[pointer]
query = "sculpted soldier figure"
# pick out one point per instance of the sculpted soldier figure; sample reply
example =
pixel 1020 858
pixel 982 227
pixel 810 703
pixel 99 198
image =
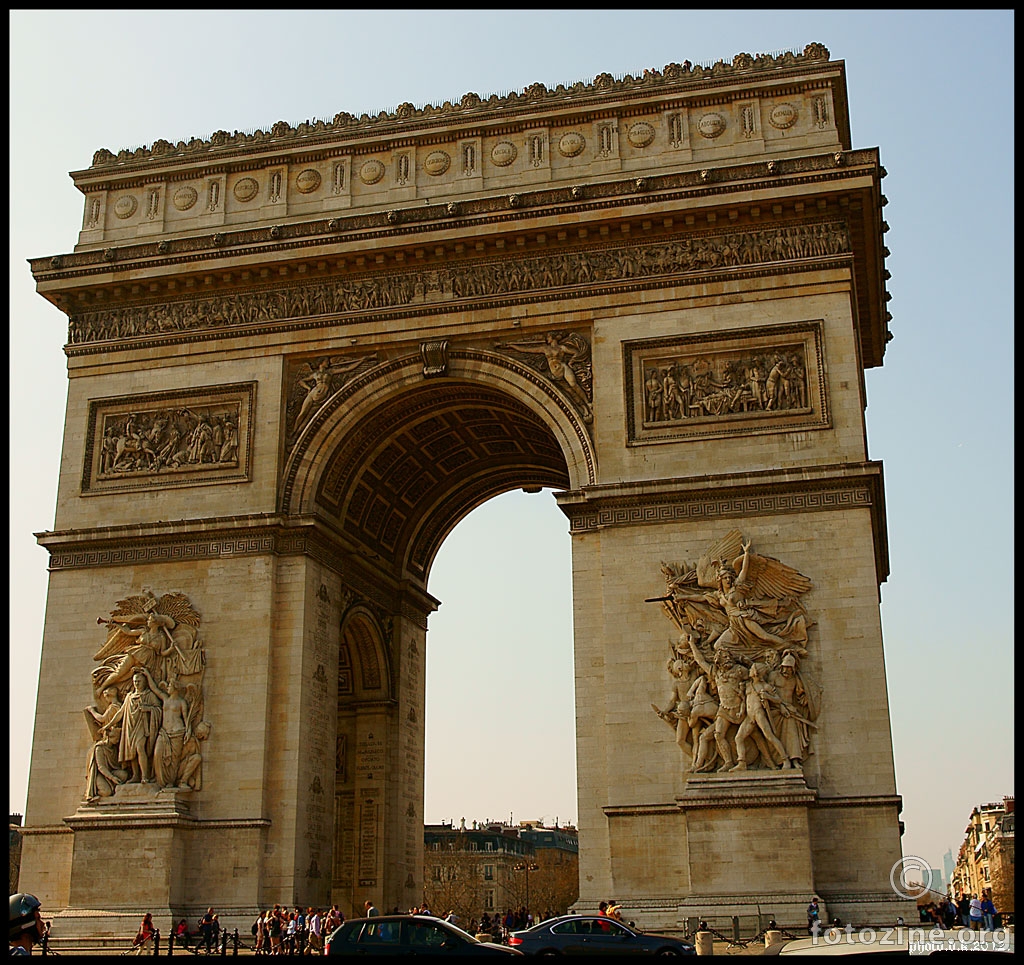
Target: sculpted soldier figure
pixel 730 680
pixel 795 711
pixel 102 773
pixel 757 723
pixel 139 717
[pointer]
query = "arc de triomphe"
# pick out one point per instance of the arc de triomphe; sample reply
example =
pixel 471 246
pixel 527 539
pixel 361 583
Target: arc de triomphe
pixel 297 358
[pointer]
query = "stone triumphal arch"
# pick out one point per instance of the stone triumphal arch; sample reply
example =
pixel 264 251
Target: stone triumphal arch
pixel 297 358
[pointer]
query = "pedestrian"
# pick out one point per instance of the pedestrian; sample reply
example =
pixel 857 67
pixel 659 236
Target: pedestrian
pixel 259 933
pixel 145 932
pixel 181 934
pixel 316 924
pixel 614 910
pixel 274 930
pixel 215 932
pixel 27 925
pixel 976 916
pixel 949 912
pixel 371 909
pixel 813 917
pixel 988 911
pixel 963 907
pixel 206 930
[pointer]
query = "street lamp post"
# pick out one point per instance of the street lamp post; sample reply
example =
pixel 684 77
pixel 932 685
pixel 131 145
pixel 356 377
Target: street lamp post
pixel 526 866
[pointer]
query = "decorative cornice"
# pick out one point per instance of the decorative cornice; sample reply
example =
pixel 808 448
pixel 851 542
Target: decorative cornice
pixel 766 493
pixel 311 135
pixel 862 801
pixel 415 219
pixel 232 536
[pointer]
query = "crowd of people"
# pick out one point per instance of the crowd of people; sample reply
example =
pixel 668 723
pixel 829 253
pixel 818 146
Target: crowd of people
pixel 977 912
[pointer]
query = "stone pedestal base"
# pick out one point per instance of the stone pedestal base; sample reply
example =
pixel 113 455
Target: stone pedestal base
pixel 749 844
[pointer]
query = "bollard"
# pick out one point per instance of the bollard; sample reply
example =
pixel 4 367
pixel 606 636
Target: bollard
pixel 234 952
pixel 736 928
pixel 224 943
pixel 705 943
pixel 156 941
pixel 170 942
pixel 772 937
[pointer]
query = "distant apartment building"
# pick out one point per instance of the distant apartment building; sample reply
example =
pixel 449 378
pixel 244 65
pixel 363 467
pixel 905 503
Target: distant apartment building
pixel 494 867
pixel 985 864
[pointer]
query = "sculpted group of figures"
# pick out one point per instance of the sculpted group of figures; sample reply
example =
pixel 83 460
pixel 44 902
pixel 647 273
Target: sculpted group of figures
pixel 690 388
pixel 168 439
pixel 397 289
pixel 739 699
pixel 147 721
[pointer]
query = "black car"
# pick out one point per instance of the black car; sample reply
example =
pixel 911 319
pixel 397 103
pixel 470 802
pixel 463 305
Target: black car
pixel 407 935
pixel 594 935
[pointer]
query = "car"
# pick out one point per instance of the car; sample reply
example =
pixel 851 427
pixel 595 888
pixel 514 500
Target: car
pixel 594 935
pixel 407 935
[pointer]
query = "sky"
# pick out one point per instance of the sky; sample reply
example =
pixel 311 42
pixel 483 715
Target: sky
pixel 932 90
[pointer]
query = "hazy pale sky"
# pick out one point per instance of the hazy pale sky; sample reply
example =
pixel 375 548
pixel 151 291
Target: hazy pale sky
pixel 932 90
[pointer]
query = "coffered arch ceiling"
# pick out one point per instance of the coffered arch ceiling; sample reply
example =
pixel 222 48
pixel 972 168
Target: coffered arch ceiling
pixel 402 478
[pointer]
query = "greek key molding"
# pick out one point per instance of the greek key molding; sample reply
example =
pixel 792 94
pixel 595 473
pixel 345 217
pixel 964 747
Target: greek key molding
pixel 767 493
pixel 728 506
pixel 237 536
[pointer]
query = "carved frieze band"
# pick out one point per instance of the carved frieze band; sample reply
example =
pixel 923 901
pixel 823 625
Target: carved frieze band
pixel 697 254
pixel 163 440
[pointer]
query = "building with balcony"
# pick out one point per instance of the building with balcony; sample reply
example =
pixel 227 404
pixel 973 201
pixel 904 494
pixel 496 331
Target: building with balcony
pixel 985 862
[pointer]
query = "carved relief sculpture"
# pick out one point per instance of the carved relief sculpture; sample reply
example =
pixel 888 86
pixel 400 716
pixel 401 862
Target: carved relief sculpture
pixel 313 383
pixel 146 722
pixel 738 698
pixel 565 358
pixel 696 387
pixel 168 438
pixel 707 252
pixel 705 385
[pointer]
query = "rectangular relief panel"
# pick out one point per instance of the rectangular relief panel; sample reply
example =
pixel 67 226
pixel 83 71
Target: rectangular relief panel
pixel 740 382
pixel 163 440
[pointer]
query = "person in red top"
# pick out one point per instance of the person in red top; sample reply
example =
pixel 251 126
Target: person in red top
pixel 146 930
pixel 181 934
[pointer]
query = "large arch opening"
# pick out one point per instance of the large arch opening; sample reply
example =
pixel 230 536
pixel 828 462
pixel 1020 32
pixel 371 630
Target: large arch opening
pixel 390 467
pixel 499 648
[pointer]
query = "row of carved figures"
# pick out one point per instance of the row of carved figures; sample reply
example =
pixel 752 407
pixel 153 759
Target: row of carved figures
pixel 397 289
